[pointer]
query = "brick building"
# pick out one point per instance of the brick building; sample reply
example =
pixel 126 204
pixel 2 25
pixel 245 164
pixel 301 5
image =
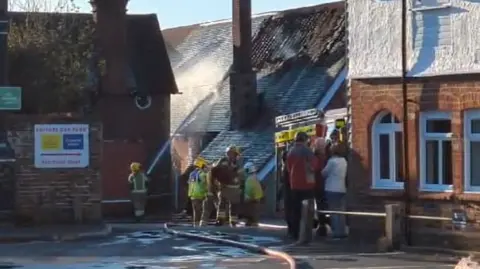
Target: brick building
pixel 121 130
pixel 298 56
pixel 443 107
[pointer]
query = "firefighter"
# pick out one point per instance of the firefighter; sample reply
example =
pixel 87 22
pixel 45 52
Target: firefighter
pixel 210 201
pixel 229 195
pixel 253 194
pixel 138 185
pixel 197 188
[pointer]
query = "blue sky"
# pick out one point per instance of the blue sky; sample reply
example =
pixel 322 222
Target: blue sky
pixel 184 12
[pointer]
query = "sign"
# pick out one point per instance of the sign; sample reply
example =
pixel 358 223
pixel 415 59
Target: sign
pixel 10 98
pixel 297 116
pixel 289 135
pixel 61 146
pixel 340 123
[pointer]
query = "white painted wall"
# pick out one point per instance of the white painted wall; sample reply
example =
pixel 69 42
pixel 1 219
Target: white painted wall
pixel 441 41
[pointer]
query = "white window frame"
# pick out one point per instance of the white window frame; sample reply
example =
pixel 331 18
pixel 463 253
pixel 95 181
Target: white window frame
pixel 389 129
pixel 468 138
pixel 423 137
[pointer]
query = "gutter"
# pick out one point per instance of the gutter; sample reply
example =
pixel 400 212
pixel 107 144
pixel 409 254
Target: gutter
pixel 326 99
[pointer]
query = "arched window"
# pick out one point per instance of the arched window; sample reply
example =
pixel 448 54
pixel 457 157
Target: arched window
pixel 387 154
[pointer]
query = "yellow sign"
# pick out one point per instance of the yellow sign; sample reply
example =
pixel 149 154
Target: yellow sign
pixel 288 135
pixel 340 123
pixel 282 136
pixel 51 142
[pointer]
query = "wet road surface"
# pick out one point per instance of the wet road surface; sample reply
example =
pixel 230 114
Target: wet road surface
pixel 153 249
pixel 130 250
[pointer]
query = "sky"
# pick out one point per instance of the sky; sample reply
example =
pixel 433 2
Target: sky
pixel 173 13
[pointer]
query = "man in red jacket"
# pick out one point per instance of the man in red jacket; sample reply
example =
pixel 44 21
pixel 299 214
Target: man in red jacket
pixel 302 165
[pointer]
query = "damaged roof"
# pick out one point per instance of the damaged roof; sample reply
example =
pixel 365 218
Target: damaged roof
pixel 297 54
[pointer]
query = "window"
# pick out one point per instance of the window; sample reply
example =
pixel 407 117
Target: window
pixel 387 161
pixel 432 24
pixel 436 151
pixel 472 151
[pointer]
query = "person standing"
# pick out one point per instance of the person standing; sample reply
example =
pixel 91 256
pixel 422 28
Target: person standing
pixel 319 150
pixel 138 185
pixel 229 196
pixel 302 165
pixel 197 189
pixel 335 173
pixel 287 195
pixel 253 195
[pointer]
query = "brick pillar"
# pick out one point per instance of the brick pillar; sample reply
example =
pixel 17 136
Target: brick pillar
pixel 110 19
pixel 243 81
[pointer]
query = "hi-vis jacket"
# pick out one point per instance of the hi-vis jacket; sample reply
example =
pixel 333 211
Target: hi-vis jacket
pixel 197 185
pixel 253 189
pixel 139 181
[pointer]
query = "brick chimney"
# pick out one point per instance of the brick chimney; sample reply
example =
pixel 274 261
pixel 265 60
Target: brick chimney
pixel 243 81
pixel 110 19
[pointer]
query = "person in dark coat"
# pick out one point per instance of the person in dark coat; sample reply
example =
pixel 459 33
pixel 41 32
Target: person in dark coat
pixel 287 197
pixel 322 220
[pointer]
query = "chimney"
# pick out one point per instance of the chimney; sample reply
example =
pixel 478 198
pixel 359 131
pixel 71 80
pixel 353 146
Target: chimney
pixel 111 24
pixel 243 81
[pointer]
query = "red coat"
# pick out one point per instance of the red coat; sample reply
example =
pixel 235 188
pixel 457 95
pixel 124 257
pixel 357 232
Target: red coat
pixel 302 165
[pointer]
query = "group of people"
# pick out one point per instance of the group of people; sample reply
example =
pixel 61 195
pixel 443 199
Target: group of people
pixel 317 171
pixel 225 192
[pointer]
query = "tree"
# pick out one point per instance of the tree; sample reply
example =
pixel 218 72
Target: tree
pixel 50 46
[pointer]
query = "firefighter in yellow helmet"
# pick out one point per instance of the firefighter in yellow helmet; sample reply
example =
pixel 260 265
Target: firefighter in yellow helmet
pixel 253 194
pixel 197 188
pixel 138 185
pixel 229 195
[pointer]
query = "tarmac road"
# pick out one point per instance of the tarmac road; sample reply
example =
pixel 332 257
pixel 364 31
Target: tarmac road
pixel 153 249
pixel 149 249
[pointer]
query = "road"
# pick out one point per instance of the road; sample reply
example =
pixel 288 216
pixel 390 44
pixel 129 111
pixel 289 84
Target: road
pixel 153 249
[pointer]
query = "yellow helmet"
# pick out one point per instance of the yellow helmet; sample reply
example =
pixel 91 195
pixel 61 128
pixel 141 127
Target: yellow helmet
pixel 135 167
pixel 232 148
pixel 200 162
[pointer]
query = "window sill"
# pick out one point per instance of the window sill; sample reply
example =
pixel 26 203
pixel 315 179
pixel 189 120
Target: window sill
pixel 390 193
pixel 469 196
pixel 388 187
pixel 427 8
pixel 436 188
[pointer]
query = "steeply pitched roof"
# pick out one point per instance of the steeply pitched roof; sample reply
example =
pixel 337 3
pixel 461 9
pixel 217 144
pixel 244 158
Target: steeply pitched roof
pixel 252 145
pixel 297 55
pixel 200 63
pixel 148 55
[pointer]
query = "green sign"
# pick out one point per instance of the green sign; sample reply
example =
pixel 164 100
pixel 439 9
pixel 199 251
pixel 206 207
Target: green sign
pixel 10 98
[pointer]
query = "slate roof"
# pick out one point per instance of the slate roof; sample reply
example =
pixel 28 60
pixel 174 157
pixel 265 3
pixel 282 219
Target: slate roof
pixel 297 55
pixel 253 145
pixel 148 55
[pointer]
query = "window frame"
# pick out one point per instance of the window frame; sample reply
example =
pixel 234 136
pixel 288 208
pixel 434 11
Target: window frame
pixel 389 129
pixel 468 138
pixel 423 138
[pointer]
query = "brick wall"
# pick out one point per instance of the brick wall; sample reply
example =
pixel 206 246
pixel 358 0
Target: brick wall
pixel 454 94
pixel 46 195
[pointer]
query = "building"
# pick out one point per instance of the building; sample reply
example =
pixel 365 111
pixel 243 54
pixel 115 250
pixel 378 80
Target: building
pixel 443 107
pixel 299 59
pixel 137 66
pixel 136 59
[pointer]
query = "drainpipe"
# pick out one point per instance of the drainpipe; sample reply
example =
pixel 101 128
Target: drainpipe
pixel 406 165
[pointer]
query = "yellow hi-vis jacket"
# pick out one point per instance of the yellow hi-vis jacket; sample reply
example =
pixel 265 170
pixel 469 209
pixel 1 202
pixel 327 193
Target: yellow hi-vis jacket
pixel 253 189
pixel 139 181
pixel 197 185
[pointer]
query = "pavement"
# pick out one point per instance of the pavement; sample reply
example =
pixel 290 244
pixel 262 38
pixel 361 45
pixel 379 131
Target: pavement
pixel 147 246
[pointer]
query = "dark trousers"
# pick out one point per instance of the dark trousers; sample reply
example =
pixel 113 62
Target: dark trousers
pixel 297 197
pixel 322 219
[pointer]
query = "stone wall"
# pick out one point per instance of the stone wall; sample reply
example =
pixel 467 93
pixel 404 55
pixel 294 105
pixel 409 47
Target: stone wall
pixel 45 196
